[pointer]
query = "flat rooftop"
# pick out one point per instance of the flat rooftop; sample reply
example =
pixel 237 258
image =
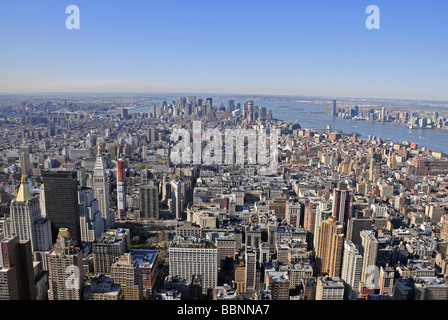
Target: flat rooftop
pixel 144 258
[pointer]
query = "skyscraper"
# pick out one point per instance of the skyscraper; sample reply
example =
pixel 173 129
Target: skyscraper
pixel 369 252
pixel 65 269
pixel 61 203
pixel 24 162
pixel 333 109
pixel 351 269
pixel 101 189
pixel 149 202
pixel 374 171
pixel 108 247
pixel 341 204
pixel 329 247
pixel 27 222
pixel 91 222
pixel 176 196
pixel 188 258
pixel 16 270
pixel 126 273
pixel 121 192
pixel 152 135
pixel 355 226
pixel 251 268
pixel 386 280
pixel 230 105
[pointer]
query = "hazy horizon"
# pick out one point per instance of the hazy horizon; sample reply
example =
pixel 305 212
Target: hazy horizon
pixel 287 48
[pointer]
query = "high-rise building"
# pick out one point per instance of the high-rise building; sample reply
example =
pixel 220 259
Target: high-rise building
pixel 251 268
pixel 112 244
pixel 240 277
pixel 195 257
pixel 91 222
pixel 147 261
pixel 121 192
pixel 374 171
pixel 333 109
pixel 176 196
pixel 61 203
pixel 386 280
pixel 124 114
pixel 351 269
pixel 65 269
pixel 323 212
pixel 330 288
pixel 355 226
pixel 369 252
pixel 329 248
pixel 25 163
pixel 101 190
pixel 152 135
pixel 226 244
pixel 231 105
pixel 126 273
pixel 16 270
pixel 292 214
pixel 341 204
pixel 27 222
pixel 149 202
pixel 278 283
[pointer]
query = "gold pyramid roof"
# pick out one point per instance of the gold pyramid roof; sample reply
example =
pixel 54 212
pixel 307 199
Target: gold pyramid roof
pixel 24 193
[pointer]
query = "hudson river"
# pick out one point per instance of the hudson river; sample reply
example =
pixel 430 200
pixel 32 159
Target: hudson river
pixel 311 116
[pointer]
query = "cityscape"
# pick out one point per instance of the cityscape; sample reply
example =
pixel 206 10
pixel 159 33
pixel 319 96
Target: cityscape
pixel 95 207
pixel 175 152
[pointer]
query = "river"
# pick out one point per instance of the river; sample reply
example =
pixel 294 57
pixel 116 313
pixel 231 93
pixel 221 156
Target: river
pixel 312 116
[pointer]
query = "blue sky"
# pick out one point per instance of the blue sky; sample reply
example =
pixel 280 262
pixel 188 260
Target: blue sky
pixel 316 48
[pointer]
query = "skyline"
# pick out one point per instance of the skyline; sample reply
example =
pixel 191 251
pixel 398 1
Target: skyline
pixel 293 48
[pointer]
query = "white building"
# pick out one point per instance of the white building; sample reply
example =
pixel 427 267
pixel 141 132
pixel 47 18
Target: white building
pixel 188 258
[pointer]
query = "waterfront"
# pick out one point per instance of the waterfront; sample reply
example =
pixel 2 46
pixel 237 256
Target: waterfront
pixel 313 116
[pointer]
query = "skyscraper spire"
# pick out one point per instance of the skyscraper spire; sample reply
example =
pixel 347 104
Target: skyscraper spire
pixel 24 193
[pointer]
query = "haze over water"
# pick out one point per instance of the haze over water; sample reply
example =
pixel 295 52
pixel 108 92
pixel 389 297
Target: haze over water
pixel 312 116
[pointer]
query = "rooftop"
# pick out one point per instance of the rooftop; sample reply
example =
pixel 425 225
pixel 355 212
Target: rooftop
pixel 144 258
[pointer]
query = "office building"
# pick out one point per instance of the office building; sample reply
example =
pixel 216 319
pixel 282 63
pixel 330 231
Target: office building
pixel 194 257
pixel 121 191
pixel 61 203
pixel 101 190
pixel 329 248
pixel 176 196
pixel 330 288
pixel 278 284
pixel 149 202
pixel 386 280
pixel 251 269
pixel 351 269
pixel 147 262
pixel 126 273
pixel 27 222
pixel 65 269
pixel 369 252
pixel 91 222
pixel 341 204
pixel 355 226
pixel 112 244
pixel 16 270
